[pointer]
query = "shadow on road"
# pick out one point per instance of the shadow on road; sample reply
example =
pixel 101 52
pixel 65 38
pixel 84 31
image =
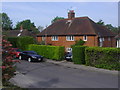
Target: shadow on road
pixel 45 84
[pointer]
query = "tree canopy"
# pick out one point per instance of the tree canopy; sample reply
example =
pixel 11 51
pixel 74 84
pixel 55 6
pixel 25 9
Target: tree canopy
pixel 109 26
pixel 56 19
pixel 27 24
pixel 101 22
pixel 6 22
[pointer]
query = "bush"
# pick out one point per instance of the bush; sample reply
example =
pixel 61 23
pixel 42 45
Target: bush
pixel 78 54
pixel 80 42
pixel 21 42
pixel 107 58
pixel 13 41
pixel 51 52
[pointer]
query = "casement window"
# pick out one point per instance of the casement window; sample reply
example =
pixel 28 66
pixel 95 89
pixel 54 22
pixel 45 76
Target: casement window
pixel 54 38
pixel 70 38
pixel 43 38
pixel 69 49
pixel 109 39
pixel 103 39
pixel 85 38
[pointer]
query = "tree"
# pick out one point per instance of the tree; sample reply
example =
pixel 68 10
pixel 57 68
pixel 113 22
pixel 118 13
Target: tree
pixel 109 26
pixel 6 22
pixel 27 24
pixel 100 22
pixel 113 29
pixel 40 28
pixel 56 19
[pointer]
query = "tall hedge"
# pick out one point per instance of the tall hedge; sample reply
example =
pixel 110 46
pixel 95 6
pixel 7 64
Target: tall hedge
pixel 78 54
pixel 21 42
pixel 107 58
pixel 51 52
pixel 13 41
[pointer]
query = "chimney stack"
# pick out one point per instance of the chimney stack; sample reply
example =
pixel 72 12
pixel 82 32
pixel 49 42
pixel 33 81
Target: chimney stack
pixel 21 28
pixel 71 14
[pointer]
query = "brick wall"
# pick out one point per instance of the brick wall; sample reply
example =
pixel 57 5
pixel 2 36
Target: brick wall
pixel 109 43
pixel 91 41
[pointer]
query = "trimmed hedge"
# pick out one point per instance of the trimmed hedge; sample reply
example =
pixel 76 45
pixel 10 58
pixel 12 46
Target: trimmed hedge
pixel 13 41
pixel 21 42
pixel 51 52
pixel 107 58
pixel 78 54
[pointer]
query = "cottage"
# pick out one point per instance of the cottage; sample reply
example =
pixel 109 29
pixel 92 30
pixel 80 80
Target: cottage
pixel 65 32
pixel 18 33
pixel 118 40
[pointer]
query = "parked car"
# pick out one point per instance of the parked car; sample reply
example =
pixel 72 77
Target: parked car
pixel 16 52
pixel 68 56
pixel 30 56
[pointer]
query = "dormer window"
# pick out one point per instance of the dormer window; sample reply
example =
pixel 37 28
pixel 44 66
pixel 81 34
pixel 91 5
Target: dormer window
pixel 19 34
pixel 85 38
pixel 54 38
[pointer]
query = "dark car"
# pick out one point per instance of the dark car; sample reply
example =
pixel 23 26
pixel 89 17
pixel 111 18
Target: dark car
pixel 30 56
pixel 68 56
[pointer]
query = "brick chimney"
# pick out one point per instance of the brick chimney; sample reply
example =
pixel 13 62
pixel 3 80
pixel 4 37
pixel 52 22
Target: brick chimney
pixel 71 14
pixel 21 28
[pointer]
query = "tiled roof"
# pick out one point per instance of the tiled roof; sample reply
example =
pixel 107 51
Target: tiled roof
pixel 14 33
pixel 76 26
pixel 117 36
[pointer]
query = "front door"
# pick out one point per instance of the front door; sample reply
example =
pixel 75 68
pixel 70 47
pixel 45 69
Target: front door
pixel 100 42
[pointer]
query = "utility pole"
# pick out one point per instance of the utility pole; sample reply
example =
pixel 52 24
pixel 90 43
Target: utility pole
pixel 46 36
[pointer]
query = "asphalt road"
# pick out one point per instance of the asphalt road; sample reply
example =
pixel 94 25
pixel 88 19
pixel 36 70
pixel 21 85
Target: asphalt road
pixel 48 75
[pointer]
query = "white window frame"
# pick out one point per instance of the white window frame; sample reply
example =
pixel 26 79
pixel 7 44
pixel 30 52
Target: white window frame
pixel 54 38
pixel 109 38
pixel 43 38
pixel 103 39
pixel 85 39
pixel 69 49
pixel 70 38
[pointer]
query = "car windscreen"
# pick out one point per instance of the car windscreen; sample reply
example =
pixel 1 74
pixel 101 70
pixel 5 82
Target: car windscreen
pixel 18 50
pixel 31 53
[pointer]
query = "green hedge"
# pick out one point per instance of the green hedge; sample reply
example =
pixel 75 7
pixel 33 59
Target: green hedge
pixel 21 42
pixel 13 41
pixel 51 52
pixel 107 58
pixel 78 54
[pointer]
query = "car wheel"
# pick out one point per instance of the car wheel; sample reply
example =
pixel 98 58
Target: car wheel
pixel 20 57
pixel 29 59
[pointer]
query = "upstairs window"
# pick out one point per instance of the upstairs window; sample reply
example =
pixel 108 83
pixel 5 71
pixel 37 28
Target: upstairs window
pixel 54 38
pixel 43 38
pixel 103 39
pixel 85 38
pixel 70 38
pixel 109 39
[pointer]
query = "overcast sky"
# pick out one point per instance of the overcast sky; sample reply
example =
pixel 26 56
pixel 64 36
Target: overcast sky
pixel 41 13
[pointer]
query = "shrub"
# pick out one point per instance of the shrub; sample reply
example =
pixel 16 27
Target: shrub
pixel 21 42
pixel 107 58
pixel 7 62
pixel 51 52
pixel 80 42
pixel 13 41
pixel 78 54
